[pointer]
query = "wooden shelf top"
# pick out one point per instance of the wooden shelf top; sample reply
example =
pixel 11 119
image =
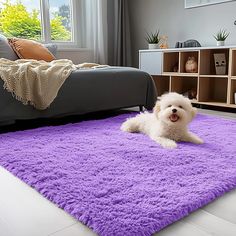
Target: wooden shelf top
pixel 196 75
pixel 170 73
pixel 189 74
pixel 180 74
pixel 213 103
pixel 194 100
pixel 215 76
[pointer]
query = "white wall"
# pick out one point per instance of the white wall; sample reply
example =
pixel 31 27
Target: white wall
pixel 179 23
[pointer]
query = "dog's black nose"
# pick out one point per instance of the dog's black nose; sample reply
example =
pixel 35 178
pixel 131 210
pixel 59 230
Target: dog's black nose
pixel 174 110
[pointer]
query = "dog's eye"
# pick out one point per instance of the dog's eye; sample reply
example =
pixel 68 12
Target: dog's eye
pixel 169 105
pixel 181 107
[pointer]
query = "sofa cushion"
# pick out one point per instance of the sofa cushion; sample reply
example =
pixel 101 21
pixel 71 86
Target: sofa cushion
pixel 29 49
pixel 52 48
pixel 5 50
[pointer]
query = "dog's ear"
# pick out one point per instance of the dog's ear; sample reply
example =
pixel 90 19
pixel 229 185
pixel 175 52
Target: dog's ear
pixel 194 111
pixel 157 108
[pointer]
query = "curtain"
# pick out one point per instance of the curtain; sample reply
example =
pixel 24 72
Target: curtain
pixel 122 42
pixel 108 31
pixel 96 30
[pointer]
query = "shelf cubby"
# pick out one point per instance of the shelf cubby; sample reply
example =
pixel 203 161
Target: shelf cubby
pixel 170 60
pixel 232 92
pixel 233 65
pixel 182 85
pixel 162 84
pixel 184 58
pixel 207 62
pixel 213 89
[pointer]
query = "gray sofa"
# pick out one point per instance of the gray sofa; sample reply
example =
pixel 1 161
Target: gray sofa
pixel 83 92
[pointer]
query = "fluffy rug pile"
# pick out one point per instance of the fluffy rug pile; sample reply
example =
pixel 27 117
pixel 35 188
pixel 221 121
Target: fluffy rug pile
pixel 120 183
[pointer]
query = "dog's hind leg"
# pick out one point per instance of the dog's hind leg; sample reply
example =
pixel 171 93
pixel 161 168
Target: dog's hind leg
pixel 131 125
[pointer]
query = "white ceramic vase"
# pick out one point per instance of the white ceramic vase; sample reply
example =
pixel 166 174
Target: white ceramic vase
pixel 220 43
pixel 153 46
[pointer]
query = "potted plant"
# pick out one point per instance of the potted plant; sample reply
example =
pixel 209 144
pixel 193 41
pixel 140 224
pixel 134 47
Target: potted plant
pixel 221 36
pixel 153 39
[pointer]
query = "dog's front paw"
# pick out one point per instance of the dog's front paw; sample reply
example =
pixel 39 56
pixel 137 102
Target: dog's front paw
pixel 164 142
pixel 190 137
pixel 169 144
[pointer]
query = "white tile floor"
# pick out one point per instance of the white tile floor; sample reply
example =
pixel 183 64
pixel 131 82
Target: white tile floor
pixel 24 212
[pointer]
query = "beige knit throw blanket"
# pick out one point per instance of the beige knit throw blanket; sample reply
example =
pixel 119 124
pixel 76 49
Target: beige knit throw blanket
pixel 35 82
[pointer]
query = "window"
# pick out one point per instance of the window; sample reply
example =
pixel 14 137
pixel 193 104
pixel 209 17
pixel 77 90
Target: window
pixel 42 20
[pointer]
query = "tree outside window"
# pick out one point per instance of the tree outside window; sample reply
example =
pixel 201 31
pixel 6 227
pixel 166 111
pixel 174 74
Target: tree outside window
pixel 22 18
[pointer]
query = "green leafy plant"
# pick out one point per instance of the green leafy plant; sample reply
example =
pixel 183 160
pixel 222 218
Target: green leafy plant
pixel 221 35
pixel 17 21
pixel 153 38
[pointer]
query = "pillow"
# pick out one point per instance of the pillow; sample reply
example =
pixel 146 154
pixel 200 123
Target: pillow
pixel 5 50
pixel 52 48
pixel 29 49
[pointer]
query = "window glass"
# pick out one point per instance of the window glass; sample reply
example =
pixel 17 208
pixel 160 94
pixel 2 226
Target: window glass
pixel 60 20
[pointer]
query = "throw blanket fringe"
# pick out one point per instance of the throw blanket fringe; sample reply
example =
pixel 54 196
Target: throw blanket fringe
pixel 35 82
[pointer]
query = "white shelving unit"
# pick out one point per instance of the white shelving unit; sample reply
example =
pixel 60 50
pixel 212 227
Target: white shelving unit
pixel 212 89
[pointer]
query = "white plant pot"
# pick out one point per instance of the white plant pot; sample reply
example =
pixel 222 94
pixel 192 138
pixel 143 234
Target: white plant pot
pixel 220 43
pixel 153 46
pixel 234 98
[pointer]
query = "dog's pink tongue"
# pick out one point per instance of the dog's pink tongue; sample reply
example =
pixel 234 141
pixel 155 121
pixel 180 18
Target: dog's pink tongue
pixel 174 117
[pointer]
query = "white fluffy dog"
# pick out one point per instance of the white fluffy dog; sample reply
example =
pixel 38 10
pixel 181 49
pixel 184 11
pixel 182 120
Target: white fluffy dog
pixel 168 122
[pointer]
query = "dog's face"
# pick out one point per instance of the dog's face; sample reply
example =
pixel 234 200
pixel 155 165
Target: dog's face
pixel 174 109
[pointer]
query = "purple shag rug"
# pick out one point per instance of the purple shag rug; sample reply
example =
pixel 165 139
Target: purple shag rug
pixel 120 183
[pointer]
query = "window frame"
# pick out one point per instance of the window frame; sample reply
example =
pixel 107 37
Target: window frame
pixel 46 29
